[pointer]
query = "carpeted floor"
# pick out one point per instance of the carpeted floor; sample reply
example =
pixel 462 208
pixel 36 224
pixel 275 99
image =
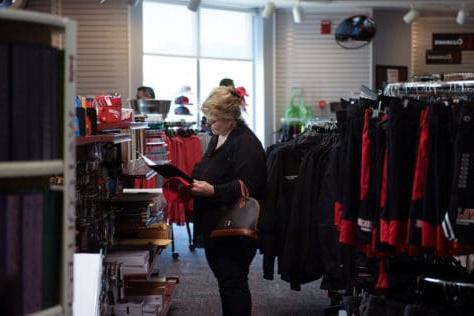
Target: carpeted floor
pixel 197 294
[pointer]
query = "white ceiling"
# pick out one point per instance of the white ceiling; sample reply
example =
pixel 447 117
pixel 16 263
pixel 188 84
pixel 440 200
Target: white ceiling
pixel 337 4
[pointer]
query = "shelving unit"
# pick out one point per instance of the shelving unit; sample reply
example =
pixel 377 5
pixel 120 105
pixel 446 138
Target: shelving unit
pixel 130 140
pixel 121 125
pixel 138 125
pixel 31 23
pixel 18 169
pixel 106 138
pixel 112 126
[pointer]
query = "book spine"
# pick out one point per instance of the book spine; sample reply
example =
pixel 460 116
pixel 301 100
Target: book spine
pixel 19 101
pixel 5 102
pixel 32 232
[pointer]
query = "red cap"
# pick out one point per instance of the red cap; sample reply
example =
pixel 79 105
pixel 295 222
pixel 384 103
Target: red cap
pixel 241 92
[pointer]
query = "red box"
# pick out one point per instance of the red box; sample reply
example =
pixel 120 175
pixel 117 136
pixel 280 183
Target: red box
pixel 127 115
pixel 110 114
pixel 106 100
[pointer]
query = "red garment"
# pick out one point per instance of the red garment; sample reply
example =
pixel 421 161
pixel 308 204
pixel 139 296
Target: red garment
pixel 382 280
pixel 184 153
pixel 142 183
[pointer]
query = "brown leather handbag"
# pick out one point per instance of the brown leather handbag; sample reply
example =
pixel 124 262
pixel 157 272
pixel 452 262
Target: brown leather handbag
pixel 239 219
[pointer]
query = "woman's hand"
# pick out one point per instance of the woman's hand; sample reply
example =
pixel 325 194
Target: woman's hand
pixel 202 188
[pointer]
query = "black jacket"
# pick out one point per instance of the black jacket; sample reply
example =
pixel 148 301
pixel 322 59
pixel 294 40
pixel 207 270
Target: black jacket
pixel 297 224
pixel 240 157
pixel 283 166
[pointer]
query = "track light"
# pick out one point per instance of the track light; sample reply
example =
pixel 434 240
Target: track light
pixel 411 15
pixel 462 16
pixel 297 13
pixel 193 5
pixel 268 10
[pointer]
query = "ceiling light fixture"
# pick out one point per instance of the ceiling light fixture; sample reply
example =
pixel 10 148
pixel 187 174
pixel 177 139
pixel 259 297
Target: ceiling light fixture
pixel 298 13
pixel 193 5
pixel 268 10
pixel 462 16
pixel 411 15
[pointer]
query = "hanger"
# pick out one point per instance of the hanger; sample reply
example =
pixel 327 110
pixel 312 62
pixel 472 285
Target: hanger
pixel 368 93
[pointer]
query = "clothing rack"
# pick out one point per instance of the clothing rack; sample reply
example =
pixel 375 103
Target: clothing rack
pixel 449 283
pixel 180 124
pixel 432 87
pixel 185 128
pixel 325 124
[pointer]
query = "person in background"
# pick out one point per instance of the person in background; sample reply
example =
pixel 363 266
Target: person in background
pixel 234 153
pixel 145 93
pixel 226 82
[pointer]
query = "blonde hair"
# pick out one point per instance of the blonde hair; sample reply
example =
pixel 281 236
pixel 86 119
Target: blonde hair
pixel 222 104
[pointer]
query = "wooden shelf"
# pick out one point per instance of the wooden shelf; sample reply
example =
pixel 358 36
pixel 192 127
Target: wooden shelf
pixel 142 191
pixel 36 168
pixel 53 311
pixel 115 125
pixel 143 241
pixel 155 144
pixel 106 138
pixel 138 125
pixel 122 125
pixel 21 16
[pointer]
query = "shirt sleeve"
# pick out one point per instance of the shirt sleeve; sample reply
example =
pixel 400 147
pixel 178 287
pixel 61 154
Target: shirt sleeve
pixel 250 167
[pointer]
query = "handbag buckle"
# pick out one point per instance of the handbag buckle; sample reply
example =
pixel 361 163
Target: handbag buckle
pixel 227 223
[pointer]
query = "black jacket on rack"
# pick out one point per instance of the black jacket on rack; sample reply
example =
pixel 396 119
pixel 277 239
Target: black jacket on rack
pixel 283 167
pixel 240 157
pixel 294 227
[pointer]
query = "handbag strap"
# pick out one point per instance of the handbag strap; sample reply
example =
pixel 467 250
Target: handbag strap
pixel 244 191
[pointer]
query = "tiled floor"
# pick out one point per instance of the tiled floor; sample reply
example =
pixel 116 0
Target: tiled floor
pixel 197 294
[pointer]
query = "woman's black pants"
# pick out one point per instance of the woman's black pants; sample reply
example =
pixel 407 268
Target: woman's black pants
pixel 230 260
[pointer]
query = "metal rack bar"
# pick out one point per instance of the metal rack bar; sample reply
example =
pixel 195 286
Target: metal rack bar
pixel 404 88
pixel 447 283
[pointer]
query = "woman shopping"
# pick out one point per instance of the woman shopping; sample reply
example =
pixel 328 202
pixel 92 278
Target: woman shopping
pixel 234 154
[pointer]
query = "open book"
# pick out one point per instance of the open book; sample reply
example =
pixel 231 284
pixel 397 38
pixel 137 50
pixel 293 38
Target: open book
pixel 167 170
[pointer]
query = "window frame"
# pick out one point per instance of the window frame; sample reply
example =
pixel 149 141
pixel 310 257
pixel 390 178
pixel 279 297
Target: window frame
pixel 199 57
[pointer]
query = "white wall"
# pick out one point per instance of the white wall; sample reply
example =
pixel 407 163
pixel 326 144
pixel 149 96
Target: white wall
pixel 264 77
pixel 306 59
pixel 102 46
pixel 422 32
pixel 102 42
pixel 392 42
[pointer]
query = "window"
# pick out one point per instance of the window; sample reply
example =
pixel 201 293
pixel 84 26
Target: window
pixel 183 49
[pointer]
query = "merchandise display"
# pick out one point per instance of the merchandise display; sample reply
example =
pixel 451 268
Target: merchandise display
pixel 379 198
pixel 37 166
pixel 139 177
pixel 130 229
